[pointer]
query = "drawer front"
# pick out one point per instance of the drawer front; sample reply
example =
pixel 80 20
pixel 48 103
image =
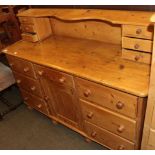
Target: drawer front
pixel 137 44
pixel 21 66
pixel 145 32
pixel 53 75
pixel 107 138
pixel 30 85
pixel 28 28
pixel 109 120
pixel 36 102
pixel 28 20
pixel 106 97
pixel 136 56
pixel 29 37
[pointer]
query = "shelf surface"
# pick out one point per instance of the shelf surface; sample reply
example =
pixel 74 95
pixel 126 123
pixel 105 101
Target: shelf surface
pixel 93 60
pixel 113 16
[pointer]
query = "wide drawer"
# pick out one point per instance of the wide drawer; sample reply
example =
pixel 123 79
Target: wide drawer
pixel 137 44
pixel 29 37
pixel 29 84
pixel 28 28
pixel 137 31
pixel 29 20
pixel 109 120
pixel 21 66
pixel 107 138
pixel 54 75
pixel 107 97
pixel 136 56
pixel 36 102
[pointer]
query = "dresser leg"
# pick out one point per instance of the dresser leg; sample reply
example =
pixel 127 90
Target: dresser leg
pixel 54 122
pixel 88 140
pixel 29 107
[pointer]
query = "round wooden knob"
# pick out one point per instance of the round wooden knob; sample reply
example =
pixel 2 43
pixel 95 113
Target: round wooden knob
pixel 33 88
pixel 11 64
pixel 121 147
pixel 138 31
pixel 90 115
pixel 26 69
pixel 25 98
pixel 87 93
pixel 39 106
pixel 18 81
pixel 40 73
pixel 46 98
pixel 137 58
pixel 93 134
pixel 62 80
pixel 26 28
pixel 119 105
pixel 136 46
pixel 121 128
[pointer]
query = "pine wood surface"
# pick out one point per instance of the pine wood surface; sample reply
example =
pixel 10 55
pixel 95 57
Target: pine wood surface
pixel 92 60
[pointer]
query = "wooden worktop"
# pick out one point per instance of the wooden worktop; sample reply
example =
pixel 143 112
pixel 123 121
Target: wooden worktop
pixel 113 16
pixel 92 60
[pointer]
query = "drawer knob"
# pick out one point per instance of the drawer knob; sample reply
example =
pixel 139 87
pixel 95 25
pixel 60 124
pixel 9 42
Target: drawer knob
pixel 33 88
pixel 137 58
pixel 62 80
pixel 46 98
pixel 18 81
pixel 26 69
pixel 11 64
pixel 121 147
pixel 90 115
pixel 138 31
pixel 136 46
pixel 121 128
pixel 40 73
pixel 26 98
pixel 119 105
pixel 93 134
pixel 87 93
pixel 39 106
pixel 26 28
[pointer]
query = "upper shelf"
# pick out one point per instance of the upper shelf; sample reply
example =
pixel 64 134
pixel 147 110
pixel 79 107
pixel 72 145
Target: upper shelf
pixel 113 16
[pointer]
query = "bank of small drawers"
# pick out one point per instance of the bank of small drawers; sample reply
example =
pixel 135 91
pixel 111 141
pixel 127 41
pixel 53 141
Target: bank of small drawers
pixel 137 39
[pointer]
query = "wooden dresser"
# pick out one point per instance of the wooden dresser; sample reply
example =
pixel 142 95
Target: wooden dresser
pixel 87 69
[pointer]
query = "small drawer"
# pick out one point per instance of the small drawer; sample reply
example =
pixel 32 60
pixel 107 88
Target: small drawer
pixel 29 37
pixel 29 20
pixel 53 75
pixel 115 100
pixel 35 102
pixel 28 28
pixel 21 66
pixel 136 56
pixel 30 85
pixel 145 32
pixel 109 120
pixel 107 138
pixel 137 44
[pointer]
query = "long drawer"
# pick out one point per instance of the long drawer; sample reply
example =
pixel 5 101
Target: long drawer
pixel 137 44
pixel 29 84
pixel 118 101
pixel 35 102
pixel 21 66
pixel 109 120
pixel 107 138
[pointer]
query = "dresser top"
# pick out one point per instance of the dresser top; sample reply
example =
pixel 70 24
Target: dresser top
pixel 113 16
pixel 93 60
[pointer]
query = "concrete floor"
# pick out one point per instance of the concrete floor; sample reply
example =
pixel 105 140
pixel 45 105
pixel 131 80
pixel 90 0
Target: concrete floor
pixel 25 129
